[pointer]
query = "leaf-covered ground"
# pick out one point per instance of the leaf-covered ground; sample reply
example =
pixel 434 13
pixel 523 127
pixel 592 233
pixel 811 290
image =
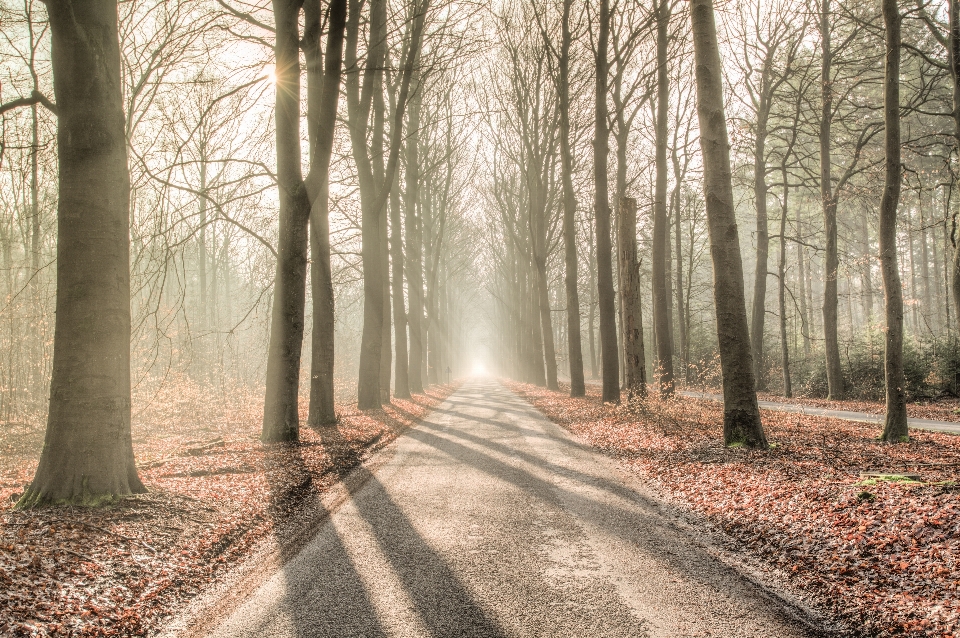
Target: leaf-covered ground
pixel 883 557
pixel 215 493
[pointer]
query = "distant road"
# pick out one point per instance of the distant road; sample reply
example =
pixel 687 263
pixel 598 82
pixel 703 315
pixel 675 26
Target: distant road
pixel 920 424
pixel 488 520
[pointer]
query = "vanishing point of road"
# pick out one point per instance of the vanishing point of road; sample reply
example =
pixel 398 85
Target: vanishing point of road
pixel 488 520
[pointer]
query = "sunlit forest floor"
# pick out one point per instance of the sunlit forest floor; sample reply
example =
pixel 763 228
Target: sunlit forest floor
pixel 883 557
pixel 215 493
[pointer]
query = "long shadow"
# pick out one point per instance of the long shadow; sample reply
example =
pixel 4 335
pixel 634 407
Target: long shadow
pixel 638 530
pixel 442 601
pixel 323 595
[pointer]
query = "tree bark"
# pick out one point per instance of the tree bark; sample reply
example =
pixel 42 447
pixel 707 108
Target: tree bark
pixel 414 241
pixel 954 10
pixel 895 423
pixel 608 317
pixel 322 406
pixel 574 342
pixel 741 415
pixel 634 359
pixel 763 235
pixel 87 456
pixel 831 344
pixel 782 287
pixel 661 235
pixel 281 421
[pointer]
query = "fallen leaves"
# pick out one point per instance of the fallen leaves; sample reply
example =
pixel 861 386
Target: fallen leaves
pixel 884 556
pixel 215 493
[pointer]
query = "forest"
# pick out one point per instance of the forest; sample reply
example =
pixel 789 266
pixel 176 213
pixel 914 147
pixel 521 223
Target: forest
pixel 273 236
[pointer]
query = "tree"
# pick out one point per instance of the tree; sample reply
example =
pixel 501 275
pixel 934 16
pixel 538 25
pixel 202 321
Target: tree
pixel 322 409
pixel 633 354
pixel 608 313
pixel 87 456
pixel 660 276
pixel 281 418
pixel 741 414
pixel 574 343
pixel 895 423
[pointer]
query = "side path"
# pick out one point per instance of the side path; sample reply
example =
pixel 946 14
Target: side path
pixel 489 520
pixel 920 424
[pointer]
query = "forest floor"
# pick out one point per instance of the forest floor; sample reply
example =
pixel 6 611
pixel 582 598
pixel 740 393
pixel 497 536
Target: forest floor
pixel 215 493
pixel 883 556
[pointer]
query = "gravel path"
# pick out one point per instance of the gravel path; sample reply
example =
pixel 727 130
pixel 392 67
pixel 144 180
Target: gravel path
pixel 920 424
pixel 488 520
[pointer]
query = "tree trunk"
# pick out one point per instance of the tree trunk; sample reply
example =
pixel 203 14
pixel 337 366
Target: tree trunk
pixel 608 318
pixel 401 372
pixel 574 342
pixel 782 287
pixel 87 456
pixel 281 421
pixel 373 200
pixel 763 240
pixel 633 355
pixel 895 424
pixel 831 344
pixel 741 415
pixel 661 235
pixel 322 406
pixel 414 242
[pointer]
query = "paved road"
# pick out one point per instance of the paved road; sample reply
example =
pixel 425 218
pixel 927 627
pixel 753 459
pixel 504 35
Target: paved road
pixel 920 424
pixel 488 520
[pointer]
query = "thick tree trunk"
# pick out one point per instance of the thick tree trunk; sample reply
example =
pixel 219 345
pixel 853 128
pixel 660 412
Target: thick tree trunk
pixel 281 421
pixel 633 354
pixel 741 415
pixel 87 456
pixel 895 424
pixel 322 406
pixel 608 318
pixel 661 234
pixel 831 344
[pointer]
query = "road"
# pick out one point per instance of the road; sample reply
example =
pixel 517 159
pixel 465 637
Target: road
pixel 920 424
pixel 488 520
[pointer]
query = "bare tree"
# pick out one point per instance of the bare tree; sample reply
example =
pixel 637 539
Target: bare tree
pixel 741 414
pixel 895 423
pixel 87 456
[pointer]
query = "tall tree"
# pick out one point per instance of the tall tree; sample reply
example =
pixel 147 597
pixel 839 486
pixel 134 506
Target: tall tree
pixel 608 313
pixel 281 420
pixel 741 414
pixel 322 408
pixel 659 267
pixel 895 423
pixel 87 456
pixel 574 343
pixel 373 200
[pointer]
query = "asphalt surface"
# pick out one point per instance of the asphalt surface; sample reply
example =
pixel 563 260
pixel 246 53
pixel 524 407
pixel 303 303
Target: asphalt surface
pixel 488 520
pixel 920 424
